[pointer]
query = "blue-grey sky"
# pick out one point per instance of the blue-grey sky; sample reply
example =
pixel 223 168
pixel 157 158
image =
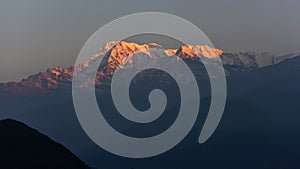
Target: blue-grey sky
pixel 39 34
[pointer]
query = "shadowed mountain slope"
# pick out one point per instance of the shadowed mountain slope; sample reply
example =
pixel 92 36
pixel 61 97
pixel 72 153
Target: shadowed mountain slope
pixel 24 147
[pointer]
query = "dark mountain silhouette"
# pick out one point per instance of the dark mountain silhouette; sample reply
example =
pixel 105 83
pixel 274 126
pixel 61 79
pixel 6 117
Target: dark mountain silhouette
pixel 23 147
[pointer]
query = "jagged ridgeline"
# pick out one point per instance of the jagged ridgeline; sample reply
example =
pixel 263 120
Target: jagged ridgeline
pixel 119 53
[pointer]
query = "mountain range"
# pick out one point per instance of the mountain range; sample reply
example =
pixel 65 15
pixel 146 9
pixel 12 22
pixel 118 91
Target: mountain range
pixel 259 129
pixel 118 54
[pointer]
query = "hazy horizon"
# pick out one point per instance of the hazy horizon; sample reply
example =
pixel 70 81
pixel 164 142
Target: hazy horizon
pixel 36 35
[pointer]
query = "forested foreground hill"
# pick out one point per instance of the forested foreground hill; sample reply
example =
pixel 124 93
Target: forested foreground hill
pixel 22 147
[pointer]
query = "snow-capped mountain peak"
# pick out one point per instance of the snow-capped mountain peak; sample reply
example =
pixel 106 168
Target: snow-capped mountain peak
pixel 116 54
